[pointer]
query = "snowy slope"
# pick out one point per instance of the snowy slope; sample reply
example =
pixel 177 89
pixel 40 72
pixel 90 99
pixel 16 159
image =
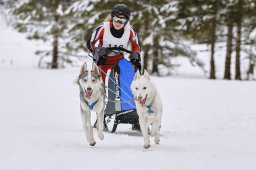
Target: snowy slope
pixel 207 125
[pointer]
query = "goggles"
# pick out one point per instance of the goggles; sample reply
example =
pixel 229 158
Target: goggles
pixel 119 20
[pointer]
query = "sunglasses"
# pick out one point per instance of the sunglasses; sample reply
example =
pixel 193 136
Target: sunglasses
pixel 119 20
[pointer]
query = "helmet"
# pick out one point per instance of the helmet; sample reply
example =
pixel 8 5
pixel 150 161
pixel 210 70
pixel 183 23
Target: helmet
pixel 121 9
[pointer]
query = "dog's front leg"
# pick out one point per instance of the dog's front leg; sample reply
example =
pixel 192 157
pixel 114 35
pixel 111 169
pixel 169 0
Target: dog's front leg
pixel 100 123
pixel 90 130
pixel 154 127
pixel 144 129
pixel 157 129
pixel 85 116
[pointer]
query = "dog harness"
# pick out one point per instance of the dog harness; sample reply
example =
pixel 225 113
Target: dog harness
pixel 150 111
pixel 91 105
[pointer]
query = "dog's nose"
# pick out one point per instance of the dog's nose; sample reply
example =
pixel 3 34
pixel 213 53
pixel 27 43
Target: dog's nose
pixel 89 89
pixel 139 97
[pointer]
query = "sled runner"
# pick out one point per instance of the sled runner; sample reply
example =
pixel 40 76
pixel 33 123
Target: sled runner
pixel 120 106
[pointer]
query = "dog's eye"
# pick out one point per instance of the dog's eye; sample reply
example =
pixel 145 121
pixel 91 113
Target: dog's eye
pixel 85 79
pixel 137 88
pixel 93 80
pixel 144 88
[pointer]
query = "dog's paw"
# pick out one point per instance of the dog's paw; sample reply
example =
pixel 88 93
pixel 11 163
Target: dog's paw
pixel 93 143
pixel 147 146
pixel 101 136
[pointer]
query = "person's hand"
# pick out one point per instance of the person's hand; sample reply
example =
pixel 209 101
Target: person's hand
pixel 100 55
pixel 135 58
pixel 102 51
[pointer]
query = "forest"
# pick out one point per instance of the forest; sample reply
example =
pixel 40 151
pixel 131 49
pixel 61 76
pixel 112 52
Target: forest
pixel 165 29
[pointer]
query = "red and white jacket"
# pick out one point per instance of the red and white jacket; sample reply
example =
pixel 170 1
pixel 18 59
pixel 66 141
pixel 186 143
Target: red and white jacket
pixel 102 37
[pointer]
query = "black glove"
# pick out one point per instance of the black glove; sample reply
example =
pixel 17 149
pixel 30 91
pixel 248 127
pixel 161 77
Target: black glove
pixel 100 55
pixel 102 51
pixel 102 60
pixel 135 58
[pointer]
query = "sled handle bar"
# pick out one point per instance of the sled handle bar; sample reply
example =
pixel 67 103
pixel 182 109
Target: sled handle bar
pixel 119 49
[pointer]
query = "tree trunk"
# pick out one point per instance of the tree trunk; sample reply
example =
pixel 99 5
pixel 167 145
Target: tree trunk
pixel 155 56
pixel 55 52
pixel 55 33
pixel 227 74
pixel 238 40
pixel 213 40
pixel 155 62
pixel 250 70
pixel 146 47
pixel 145 59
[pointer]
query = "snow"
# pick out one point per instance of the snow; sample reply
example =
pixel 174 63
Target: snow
pixel 206 124
pixel 16 51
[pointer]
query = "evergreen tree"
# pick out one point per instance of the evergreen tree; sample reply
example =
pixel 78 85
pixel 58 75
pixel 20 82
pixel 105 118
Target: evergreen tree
pixel 45 20
pixel 153 20
pixel 201 20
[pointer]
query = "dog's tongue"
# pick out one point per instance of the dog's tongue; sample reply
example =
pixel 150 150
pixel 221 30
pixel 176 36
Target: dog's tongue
pixel 142 102
pixel 88 94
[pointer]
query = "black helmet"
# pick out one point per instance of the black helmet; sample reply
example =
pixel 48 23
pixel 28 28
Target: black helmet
pixel 121 9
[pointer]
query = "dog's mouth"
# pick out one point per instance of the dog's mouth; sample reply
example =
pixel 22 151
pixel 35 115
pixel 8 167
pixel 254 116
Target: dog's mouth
pixel 141 100
pixel 88 94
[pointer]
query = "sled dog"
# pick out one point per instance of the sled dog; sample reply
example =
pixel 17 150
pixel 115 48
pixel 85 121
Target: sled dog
pixel 149 106
pixel 91 99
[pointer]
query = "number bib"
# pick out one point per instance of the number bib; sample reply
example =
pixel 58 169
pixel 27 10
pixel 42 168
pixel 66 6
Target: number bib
pixel 110 41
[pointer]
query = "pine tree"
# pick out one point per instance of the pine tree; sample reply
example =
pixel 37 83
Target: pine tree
pixel 46 21
pixel 154 22
pixel 201 21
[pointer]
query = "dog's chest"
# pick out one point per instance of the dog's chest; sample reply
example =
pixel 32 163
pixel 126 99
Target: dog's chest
pixel 146 111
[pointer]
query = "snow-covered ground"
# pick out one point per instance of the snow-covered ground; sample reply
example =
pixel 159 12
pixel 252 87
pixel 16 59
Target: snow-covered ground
pixel 207 125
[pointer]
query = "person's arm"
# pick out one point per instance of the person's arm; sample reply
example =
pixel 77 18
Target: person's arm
pixel 96 35
pixel 135 55
pixel 134 41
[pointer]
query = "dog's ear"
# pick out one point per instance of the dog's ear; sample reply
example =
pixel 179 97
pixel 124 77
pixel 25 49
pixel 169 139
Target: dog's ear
pixel 83 68
pixel 137 75
pixel 146 75
pixel 95 68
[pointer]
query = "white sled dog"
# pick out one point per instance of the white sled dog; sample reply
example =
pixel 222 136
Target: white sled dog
pixel 149 106
pixel 91 99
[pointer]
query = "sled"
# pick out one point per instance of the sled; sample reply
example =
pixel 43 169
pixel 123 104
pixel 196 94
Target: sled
pixel 120 104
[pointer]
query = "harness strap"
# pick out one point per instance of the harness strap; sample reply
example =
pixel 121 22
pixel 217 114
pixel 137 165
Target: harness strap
pixel 150 111
pixel 91 106
pixel 114 82
pixel 125 101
